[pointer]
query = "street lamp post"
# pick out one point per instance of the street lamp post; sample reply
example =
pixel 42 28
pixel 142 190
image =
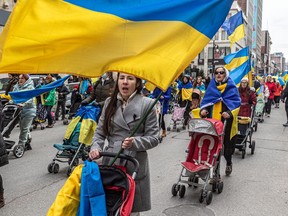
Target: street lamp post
pixel 215 47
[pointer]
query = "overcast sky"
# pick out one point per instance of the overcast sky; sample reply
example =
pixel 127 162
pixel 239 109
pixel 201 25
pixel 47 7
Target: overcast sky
pixel 275 20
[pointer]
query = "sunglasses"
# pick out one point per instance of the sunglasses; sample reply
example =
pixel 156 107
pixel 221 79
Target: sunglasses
pixel 219 72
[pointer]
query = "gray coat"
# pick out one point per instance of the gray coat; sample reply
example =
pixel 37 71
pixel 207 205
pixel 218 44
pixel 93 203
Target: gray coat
pixel 122 125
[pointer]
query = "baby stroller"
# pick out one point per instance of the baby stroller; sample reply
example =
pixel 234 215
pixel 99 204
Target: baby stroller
pixel 40 118
pixel 118 185
pixel 244 136
pixel 11 117
pixel 203 160
pixel 77 140
pixel 177 118
pixel 159 111
pixel 259 109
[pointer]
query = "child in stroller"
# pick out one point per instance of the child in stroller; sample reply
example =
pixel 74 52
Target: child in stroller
pixel 262 97
pixel 41 113
pixel 202 164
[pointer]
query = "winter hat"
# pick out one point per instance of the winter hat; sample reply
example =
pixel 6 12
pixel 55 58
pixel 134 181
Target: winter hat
pixel 244 79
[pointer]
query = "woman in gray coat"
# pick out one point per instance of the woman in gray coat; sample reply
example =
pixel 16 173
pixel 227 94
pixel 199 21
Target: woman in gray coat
pixel 121 114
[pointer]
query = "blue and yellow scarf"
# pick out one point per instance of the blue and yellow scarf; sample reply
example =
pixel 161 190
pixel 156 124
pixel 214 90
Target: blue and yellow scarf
pixel 217 95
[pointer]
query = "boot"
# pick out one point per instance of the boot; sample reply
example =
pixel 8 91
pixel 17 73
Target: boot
pixel 163 133
pixel 2 203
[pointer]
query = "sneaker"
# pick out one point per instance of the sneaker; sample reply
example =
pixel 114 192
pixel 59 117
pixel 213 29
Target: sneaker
pixel 228 170
pixel 49 126
pixel 285 125
pixel 268 115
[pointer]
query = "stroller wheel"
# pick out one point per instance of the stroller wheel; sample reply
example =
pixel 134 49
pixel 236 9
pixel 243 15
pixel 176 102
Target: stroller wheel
pixel 18 151
pixel 194 180
pixel 75 162
pixel 182 191
pixel 209 197
pixel 56 168
pixel 253 147
pixel 220 187
pixel 42 127
pixel 34 126
pixel 65 122
pixel 174 190
pixel 202 196
pixel 214 186
pixel 70 170
pixel 243 153
pixel 50 167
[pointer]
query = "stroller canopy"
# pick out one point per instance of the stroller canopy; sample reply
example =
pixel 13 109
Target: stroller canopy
pixel 206 126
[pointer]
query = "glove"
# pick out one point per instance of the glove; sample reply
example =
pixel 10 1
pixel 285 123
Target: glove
pixel 84 103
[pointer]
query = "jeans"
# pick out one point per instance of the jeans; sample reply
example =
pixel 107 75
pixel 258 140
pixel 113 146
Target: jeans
pixel 60 104
pixel 286 109
pixel 268 106
pixel 49 114
pixel 25 124
pixel 162 121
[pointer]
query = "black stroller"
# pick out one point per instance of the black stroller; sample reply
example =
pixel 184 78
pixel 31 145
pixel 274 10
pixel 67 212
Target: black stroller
pixel 246 127
pixel 11 116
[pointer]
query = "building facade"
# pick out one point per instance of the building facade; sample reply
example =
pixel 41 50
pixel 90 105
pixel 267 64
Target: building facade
pixel 265 53
pixel 277 63
pixel 257 34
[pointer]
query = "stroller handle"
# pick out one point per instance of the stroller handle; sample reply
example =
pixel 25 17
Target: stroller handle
pixel 123 156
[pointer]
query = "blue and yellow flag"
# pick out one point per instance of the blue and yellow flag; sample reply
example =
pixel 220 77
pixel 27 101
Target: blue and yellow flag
pixel 152 39
pixel 236 59
pixel 23 96
pixel 234 26
pixel 88 115
pixel 238 73
pixel 285 76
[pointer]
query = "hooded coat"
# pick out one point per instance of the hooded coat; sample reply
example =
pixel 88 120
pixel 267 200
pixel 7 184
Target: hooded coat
pixel 29 107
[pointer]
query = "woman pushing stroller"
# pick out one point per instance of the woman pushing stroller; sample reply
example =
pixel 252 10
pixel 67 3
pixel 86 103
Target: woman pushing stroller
pixel 221 101
pixel 248 99
pixel 121 114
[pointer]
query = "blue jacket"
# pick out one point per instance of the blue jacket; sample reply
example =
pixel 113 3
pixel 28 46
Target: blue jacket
pixel 164 102
pixel 92 194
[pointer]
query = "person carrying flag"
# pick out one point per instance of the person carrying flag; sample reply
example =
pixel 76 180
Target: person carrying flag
pixel 222 101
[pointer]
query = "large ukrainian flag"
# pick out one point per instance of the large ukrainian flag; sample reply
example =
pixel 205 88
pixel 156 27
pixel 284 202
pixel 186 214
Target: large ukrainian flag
pixel 236 59
pixel 241 71
pixel 152 39
pixel 234 26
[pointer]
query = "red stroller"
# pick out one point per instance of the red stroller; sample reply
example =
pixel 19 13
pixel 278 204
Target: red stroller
pixel 202 164
pixel 119 186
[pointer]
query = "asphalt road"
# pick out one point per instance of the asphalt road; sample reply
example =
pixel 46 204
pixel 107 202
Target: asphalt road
pixel 257 187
